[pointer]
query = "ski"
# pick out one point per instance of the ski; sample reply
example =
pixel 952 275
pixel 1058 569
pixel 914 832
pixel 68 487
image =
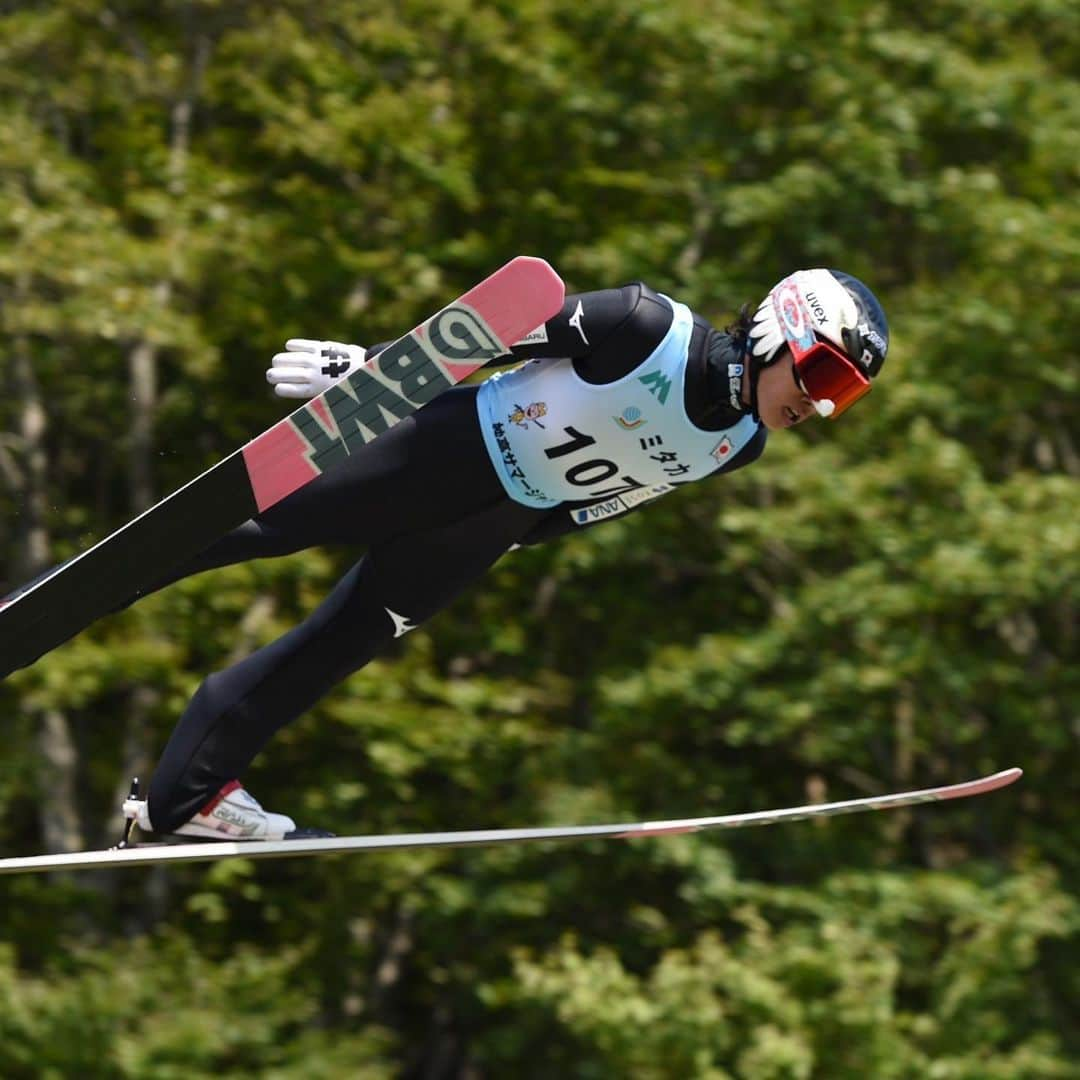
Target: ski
pixel 147 854
pixel 477 327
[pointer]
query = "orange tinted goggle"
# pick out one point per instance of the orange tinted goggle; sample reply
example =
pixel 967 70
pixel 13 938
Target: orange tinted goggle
pixel 826 374
pixel 822 371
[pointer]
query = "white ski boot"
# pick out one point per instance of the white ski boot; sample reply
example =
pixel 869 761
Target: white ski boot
pixel 232 814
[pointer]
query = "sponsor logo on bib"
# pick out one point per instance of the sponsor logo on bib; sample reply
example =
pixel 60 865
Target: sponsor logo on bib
pixel 630 418
pixel 659 385
pixel 529 415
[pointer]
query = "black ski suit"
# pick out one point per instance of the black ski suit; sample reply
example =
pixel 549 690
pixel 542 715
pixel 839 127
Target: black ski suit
pixel 429 530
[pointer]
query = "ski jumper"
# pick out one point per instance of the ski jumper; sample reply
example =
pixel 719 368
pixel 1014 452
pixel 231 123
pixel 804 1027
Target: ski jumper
pixel 627 395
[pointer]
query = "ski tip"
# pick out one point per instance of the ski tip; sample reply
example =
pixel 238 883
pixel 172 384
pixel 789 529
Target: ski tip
pixel 517 298
pixel 534 261
pixel 985 784
pixel 538 275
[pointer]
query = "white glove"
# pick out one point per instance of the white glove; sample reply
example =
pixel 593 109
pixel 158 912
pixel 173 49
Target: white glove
pixel 309 367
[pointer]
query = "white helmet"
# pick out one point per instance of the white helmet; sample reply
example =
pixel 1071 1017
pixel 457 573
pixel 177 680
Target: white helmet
pixel 835 329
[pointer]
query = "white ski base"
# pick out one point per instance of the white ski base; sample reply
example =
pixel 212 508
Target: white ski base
pixel 151 854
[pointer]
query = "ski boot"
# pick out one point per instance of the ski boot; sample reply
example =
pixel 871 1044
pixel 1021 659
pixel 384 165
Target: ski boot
pixel 232 814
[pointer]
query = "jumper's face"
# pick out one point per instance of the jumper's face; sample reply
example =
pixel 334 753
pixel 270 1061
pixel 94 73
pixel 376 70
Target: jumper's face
pixel 781 401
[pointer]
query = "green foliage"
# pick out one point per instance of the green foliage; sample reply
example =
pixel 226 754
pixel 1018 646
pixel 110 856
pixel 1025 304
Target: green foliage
pixel 157 1010
pixel 885 602
pixel 932 976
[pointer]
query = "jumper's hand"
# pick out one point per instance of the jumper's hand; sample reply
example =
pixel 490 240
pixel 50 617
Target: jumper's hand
pixel 308 368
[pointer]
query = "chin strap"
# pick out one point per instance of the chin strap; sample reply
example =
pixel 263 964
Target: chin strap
pixel 753 369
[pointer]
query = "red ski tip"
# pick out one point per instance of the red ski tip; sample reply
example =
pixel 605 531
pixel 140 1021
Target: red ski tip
pixel 983 785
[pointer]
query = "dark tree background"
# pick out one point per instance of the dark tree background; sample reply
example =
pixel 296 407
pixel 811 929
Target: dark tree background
pixel 883 603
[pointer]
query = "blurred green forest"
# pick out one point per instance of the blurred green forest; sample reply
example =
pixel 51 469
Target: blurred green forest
pixel 883 603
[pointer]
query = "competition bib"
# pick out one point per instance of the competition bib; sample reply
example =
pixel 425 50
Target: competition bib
pixel 554 438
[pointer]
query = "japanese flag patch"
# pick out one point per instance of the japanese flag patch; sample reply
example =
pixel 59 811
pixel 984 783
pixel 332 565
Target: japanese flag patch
pixel 722 450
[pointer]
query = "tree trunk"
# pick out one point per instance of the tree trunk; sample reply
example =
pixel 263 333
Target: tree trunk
pixel 57 778
pixel 143 701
